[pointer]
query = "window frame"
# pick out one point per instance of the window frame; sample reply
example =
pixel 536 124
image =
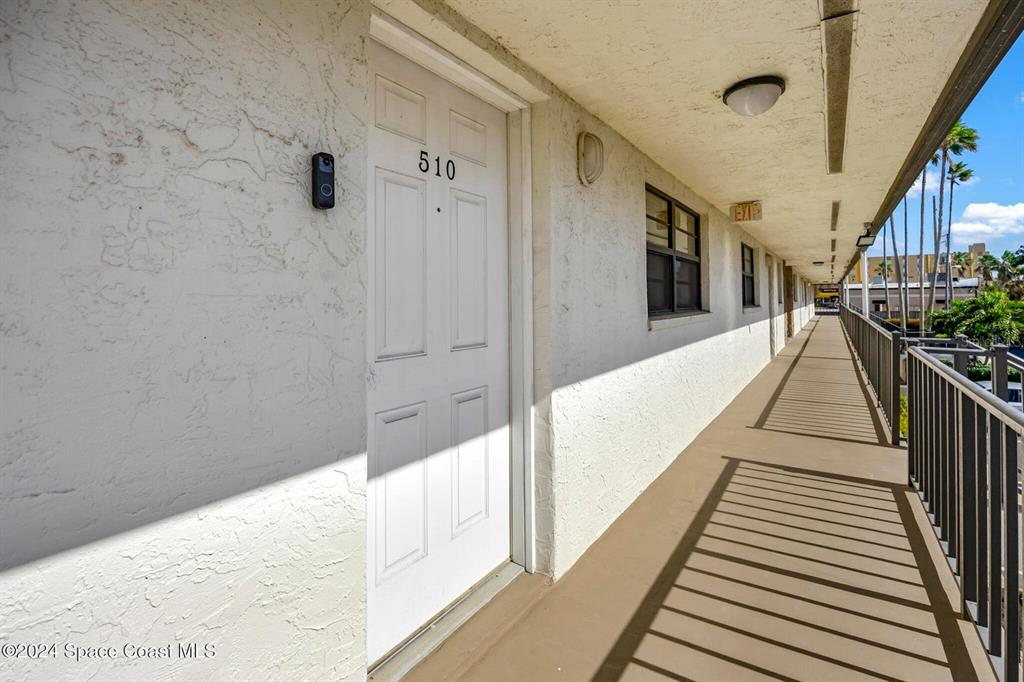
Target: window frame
pixel 675 254
pixel 746 249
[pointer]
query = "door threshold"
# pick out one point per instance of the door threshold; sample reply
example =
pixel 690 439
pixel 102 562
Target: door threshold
pixel 395 665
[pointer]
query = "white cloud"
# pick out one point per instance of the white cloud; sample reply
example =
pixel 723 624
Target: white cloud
pixel 932 183
pixel 988 221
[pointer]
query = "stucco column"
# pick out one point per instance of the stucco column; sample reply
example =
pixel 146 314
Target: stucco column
pixel 864 282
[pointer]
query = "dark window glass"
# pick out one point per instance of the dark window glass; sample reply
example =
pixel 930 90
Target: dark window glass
pixel 673 255
pixel 687 284
pixel 747 267
pixel 659 283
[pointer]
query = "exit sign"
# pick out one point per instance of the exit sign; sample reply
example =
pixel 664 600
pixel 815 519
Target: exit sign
pixel 747 211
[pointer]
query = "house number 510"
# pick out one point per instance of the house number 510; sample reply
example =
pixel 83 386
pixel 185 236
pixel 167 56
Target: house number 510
pixel 449 166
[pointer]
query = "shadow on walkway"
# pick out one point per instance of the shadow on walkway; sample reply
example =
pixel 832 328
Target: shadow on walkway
pixel 795 574
pixel 782 543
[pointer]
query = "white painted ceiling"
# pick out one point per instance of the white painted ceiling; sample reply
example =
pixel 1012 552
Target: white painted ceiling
pixel 655 71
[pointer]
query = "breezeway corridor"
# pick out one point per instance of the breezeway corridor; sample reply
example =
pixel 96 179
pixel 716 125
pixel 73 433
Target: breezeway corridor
pixel 783 543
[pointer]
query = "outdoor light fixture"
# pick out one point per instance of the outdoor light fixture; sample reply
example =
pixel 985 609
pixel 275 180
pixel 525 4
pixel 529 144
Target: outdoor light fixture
pixel 818 262
pixel 589 157
pixel 754 96
pixel 866 239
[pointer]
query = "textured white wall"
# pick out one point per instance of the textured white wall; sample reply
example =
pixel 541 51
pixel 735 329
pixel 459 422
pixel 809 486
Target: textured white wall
pixel 618 402
pixel 183 423
pixel 183 376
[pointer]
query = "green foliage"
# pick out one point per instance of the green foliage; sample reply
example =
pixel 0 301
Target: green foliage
pixel 979 371
pixel 904 418
pixel 988 318
pixel 960 139
pixel 1007 271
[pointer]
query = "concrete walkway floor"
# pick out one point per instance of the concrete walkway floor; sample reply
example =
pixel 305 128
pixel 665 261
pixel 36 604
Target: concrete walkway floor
pixel 782 543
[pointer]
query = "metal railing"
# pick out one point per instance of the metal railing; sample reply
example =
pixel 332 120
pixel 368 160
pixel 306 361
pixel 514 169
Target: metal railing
pixel 964 447
pixel 879 353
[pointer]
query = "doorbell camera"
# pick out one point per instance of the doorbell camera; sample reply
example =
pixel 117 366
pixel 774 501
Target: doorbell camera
pixel 323 180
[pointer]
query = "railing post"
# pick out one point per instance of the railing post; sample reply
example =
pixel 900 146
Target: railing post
pixel 999 371
pixel 1011 652
pixel 959 359
pixel 968 561
pixel 896 387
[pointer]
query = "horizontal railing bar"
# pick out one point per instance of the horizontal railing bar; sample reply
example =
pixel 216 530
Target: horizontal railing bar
pixel 996 407
pixel 946 350
pixel 945 339
pixel 871 322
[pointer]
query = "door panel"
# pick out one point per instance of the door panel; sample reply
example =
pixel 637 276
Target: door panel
pixel 469 270
pixel 470 468
pixel 401 267
pixel 438 438
pixel 401 508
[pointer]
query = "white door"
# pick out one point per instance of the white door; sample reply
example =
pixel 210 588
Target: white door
pixel 438 440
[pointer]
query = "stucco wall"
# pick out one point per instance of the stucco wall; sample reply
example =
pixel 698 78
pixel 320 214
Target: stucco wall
pixel 617 401
pixel 183 353
pixel 183 423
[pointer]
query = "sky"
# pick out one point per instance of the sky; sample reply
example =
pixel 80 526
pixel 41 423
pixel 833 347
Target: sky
pixel 990 208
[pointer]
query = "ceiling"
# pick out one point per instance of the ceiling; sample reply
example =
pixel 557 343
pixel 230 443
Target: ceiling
pixel 656 70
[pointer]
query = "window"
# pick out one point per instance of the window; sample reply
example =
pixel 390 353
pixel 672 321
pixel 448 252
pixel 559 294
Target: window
pixel 673 256
pixel 778 270
pixel 749 281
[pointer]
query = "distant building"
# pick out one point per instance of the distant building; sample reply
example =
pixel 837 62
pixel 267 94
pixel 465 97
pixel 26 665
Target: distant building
pixel 911 267
pixel 963 287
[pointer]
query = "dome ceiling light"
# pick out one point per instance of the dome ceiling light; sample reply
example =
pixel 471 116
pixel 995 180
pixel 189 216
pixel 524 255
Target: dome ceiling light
pixel 754 96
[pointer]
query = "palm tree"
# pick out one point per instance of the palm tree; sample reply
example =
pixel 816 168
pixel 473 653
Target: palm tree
pixel 987 266
pixel 885 275
pixel 964 263
pixel 899 274
pixel 958 173
pixel 1007 272
pixel 920 255
pixel 905 304
pixel 1010 273
pixel 934 274
pixel 959 139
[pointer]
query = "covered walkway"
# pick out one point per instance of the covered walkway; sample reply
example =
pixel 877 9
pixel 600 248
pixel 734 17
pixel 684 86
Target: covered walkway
pixel 782 543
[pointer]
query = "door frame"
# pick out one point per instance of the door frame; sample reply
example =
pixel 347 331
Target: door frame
pixel 772 305
pixel 789 289
pixel 418 49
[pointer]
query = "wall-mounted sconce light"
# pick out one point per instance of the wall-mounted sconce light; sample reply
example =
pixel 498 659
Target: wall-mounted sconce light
pixel 589 157
pixel 754 96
